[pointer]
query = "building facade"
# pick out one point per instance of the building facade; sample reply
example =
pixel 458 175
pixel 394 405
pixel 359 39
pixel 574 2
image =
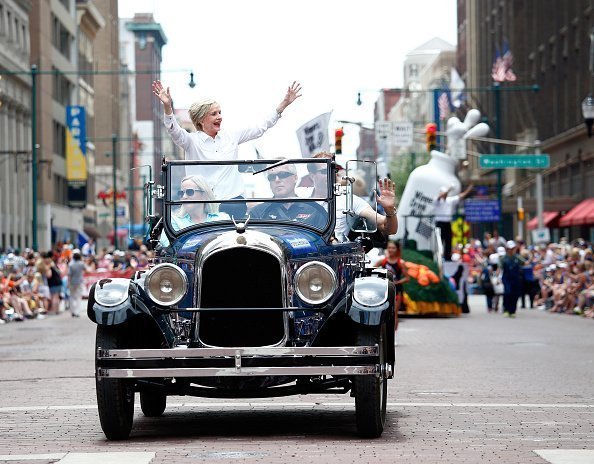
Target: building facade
pixel 15 125
pixel 550 43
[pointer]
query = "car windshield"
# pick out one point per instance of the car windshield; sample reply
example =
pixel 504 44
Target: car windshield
pixel 268 191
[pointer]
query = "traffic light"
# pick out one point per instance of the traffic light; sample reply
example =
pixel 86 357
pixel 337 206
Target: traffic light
pixel 431 136
pixel 520 214
pixel 338 133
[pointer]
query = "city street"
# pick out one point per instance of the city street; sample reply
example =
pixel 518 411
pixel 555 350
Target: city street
pixel 478 388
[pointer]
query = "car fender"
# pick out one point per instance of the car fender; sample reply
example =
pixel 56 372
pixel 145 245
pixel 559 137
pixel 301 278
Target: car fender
pixel 372 301
pixel 130 306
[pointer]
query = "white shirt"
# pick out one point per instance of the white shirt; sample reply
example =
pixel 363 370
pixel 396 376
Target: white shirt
pixel 341 229
pixel 225 181
pixel 443 210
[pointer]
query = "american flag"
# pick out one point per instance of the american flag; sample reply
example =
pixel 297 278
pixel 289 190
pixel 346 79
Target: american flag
pixel 501 70
pixel 443 102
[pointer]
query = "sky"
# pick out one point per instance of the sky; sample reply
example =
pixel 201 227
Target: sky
pixel 245 54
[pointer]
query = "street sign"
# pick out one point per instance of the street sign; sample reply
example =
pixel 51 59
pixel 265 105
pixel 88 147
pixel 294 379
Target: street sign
pixel 398 133
pixel 541 235
pixel 479 210
pixel 402 134
pixel 515 161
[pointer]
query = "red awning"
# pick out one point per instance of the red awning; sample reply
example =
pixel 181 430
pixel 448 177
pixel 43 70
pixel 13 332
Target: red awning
pixel 581 214
pixel 549 220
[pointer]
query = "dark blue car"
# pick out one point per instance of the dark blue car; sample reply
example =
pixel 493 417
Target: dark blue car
pixel 249 296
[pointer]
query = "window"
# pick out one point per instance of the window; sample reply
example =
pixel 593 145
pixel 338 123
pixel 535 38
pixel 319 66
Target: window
pixel 60 190
pixel 62 88
pixel 2 28
pixel 61 38
pixel 59 139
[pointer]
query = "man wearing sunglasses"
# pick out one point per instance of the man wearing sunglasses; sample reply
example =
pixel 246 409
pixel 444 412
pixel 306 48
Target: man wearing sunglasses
pixel 283 180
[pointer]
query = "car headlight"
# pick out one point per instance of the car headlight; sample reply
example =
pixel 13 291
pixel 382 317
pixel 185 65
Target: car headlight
pixel 166 284
pixel 315 282
pixel 370 291
pixel 111 292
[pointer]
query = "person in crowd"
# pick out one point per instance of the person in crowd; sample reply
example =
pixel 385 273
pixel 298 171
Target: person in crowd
pixel 76 284
pixel 212 143
pixel 41 289
pixel 88 249
pixel 393 262
pixel 444 208
pixel 283 180
pixel 54 282
pixel 487 284
pixel 529 281
pixel 386 223
pixel 511 265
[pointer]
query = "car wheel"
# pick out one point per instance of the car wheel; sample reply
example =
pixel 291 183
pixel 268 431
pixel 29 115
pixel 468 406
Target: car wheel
pixel 152 403
pixel 371 392
pixel 115 397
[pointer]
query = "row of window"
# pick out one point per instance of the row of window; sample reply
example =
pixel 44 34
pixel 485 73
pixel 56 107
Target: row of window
pixel 14 28
pixel 62 39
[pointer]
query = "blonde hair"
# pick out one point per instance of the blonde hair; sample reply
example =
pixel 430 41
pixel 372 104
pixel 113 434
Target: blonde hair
pixel 199 182
pixel 199 109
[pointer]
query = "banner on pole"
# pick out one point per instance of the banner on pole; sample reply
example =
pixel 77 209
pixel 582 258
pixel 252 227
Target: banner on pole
pixel 313 136
pixel 76 161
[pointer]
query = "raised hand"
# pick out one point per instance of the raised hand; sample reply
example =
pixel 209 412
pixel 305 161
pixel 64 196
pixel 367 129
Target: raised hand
pixel 293 93
pixel 164 95
pixel 387 195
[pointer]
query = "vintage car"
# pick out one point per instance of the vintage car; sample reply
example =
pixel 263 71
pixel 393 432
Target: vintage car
pixel 259 302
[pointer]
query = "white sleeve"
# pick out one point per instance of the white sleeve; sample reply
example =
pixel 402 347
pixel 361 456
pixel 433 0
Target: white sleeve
pixel 256 130
pixel 179 136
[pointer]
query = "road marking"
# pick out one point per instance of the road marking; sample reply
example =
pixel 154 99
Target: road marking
pixel 85 458
pixel 329 404
pixel 567 456
pixel 31 457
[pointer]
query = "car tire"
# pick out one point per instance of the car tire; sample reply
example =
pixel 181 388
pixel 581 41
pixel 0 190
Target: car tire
pixel 371 392
pixel 115 397
pixel 153 404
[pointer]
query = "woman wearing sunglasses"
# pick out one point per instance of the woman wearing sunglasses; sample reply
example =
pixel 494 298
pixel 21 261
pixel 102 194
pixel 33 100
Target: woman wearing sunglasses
pixel 210 143
pixel 194 188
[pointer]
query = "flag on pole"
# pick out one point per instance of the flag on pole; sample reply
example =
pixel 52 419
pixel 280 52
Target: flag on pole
pixel 443 102
pixel 508 60
pixel 501 70
pixel 313 135
pixel 456 88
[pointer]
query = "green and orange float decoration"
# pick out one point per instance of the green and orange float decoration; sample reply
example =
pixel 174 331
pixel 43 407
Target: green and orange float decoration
pixel 427 293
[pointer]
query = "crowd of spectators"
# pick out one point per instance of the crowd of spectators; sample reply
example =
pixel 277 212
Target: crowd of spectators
pixel 35 285
pixel 556 277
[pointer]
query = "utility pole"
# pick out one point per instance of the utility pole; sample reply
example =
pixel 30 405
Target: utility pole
pixel 114 138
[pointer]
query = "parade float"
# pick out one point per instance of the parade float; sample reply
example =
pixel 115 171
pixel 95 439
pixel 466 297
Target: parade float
pixel 436 287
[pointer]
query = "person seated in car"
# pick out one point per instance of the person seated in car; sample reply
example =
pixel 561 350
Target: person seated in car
pixel 283 180
pixel 194 188
pixel 387 223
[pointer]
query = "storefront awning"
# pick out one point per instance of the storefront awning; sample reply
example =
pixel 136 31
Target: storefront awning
pixel 549 220
pixel 580 215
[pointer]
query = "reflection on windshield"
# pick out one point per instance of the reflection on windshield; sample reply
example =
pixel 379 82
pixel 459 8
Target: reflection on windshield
pixel 200 194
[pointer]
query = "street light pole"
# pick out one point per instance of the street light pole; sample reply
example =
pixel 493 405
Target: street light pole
pixel 114 138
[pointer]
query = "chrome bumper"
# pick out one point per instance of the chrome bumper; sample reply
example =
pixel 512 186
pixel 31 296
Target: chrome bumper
pixel 239 362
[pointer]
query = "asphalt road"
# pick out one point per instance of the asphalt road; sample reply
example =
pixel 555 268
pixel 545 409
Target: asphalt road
pixel 478 388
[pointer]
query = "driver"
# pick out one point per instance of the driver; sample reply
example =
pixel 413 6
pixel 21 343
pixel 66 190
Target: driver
pixel 283 180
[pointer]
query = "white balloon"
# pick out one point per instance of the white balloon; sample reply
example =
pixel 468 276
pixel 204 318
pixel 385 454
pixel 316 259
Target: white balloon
pixel 472 117
pixel 480 130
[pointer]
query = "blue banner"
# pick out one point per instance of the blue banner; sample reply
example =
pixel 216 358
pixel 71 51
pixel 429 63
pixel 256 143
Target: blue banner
pixel 479 210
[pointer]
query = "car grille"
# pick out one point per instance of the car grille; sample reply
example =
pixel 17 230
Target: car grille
pixel 241 278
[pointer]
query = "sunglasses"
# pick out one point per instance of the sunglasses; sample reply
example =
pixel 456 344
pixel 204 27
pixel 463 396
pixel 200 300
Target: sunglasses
pixel 280 175
pixel 189 192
